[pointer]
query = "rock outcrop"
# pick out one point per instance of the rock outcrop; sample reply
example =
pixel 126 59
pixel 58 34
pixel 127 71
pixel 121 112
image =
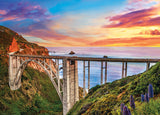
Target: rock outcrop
pixel 14 46
pixel 11 41
pixel 72 52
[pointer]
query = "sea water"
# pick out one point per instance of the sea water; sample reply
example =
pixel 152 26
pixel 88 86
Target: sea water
pixel 114 71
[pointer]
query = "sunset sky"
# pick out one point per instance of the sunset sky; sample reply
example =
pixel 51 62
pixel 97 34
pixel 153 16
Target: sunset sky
pixel 56 23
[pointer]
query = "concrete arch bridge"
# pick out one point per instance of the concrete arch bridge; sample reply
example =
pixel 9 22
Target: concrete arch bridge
pixel 68 90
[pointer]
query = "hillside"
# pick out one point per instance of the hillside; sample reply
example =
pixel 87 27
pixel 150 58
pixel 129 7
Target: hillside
pixel 37 94
pixel 106 99
pixel 6 39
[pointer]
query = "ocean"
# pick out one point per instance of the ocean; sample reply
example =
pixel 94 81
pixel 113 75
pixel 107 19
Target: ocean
pixel 114 68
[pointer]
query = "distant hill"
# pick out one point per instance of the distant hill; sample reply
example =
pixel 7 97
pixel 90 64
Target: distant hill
pixel 37 94
pixel 106 99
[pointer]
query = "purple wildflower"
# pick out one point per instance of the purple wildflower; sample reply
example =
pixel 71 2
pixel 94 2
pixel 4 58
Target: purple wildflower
pixel 126 111
pixel 142 97
pixel 150 91
pixel 132 104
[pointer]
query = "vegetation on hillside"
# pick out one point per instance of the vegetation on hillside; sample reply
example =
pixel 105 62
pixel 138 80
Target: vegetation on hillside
pixel 151 108
pixel 106 99
pixel 36 95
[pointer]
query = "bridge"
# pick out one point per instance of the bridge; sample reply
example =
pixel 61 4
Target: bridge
pixel 68 88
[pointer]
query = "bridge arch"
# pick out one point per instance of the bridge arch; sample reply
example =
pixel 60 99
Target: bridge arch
pixel 70 87
pixel 47 68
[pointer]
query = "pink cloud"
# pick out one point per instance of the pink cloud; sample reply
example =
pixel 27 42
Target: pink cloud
pixel 135 18
pixel 3 12
pixel 135 1
pixel 9 18
pixel 24 11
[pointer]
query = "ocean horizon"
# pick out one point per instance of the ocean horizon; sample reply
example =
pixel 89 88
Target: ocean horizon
pixel 114 68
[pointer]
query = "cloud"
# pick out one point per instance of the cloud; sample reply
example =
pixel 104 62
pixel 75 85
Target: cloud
pixel 151 32
pixel 3 12
pixel 22 11
pixel 135 41
pixel 142 1
pixel 144 17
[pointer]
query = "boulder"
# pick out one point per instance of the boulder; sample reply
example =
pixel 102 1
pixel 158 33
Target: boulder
pixel 72 52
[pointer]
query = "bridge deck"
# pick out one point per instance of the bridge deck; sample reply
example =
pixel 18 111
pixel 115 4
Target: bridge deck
pixel 139 60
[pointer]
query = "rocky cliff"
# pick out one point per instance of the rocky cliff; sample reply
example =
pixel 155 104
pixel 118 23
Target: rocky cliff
pixel 11 41
pixel 14 46
pixel 37 95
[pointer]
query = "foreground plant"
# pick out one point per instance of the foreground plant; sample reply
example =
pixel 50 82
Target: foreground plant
pixel 132 104
pixel 122 105
pixel 146 97
pixel 142 97
pixel 150 91
pixel 126 111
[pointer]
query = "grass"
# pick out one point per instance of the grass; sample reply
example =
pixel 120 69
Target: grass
pixel 107 98
pixel 36 95
pixel 151 108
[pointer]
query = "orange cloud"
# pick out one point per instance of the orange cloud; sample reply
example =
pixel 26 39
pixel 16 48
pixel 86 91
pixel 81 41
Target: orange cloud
pixel 135 41
pixel 151 32
pixel 55 39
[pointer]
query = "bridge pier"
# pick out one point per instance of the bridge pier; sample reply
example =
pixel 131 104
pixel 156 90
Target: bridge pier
pixel 57 72
pixel 88 75
pixel 105 72
pixel 148 66
pixel 14 63
pixel 124 69
pixel 70 84
pixel 84 82
pixel 101 72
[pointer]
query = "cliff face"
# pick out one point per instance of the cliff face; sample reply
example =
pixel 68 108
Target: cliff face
pixel 37 94
pixel 11 41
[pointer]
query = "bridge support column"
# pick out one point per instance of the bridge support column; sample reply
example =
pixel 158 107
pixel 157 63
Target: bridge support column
pixel 84 82
pixel 122 69
pixel 126 69
pixel 105 72
pixel 14 63
pixel 70 84
pixel 88 75
pixel 57 63
pixel 148 66
pixel 101 72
